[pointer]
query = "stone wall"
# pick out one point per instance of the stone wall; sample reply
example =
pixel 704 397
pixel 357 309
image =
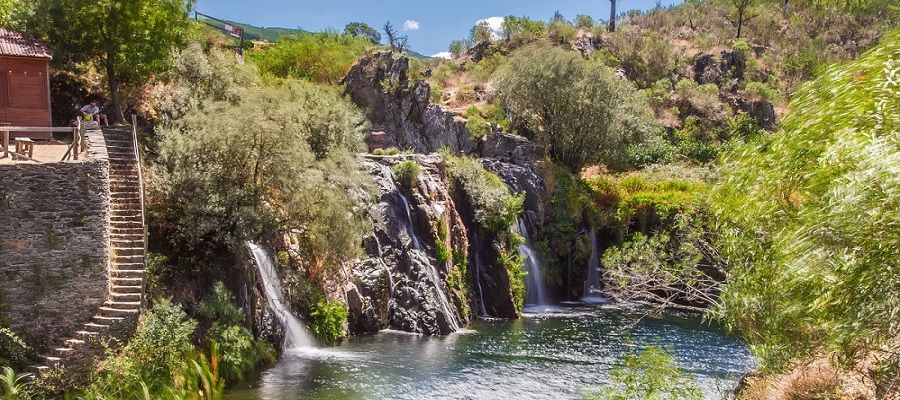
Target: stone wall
pixel 54 245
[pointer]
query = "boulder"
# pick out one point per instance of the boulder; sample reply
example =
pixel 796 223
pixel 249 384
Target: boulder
pixel 586 43
pixel 729 65
pixel 762 111
pixel 400 109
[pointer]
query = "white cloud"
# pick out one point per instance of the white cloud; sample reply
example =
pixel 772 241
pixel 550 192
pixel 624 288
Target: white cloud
pixel 410 25
pixel 443 54
pixel 496 24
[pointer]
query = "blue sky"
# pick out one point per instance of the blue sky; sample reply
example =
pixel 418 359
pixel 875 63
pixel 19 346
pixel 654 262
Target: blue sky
pixel 433 23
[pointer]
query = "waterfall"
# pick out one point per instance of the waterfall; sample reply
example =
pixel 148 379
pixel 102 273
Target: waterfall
pixel 386 271
pixel 430 270
pixel 409 222
pixel 295 332
pixel 477 247
pixel 535 292
pixel 592 282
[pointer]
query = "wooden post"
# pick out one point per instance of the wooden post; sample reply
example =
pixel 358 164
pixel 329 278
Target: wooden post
pixel 5 144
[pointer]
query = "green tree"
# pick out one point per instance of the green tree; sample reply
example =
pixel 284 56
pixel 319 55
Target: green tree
pixel 809 218
pixel 129 40
pixel 458 47
pixel 521 28
pixel 651 374
pixel 320 57
pixel 582 112
pixel 363 29
pixel 481 32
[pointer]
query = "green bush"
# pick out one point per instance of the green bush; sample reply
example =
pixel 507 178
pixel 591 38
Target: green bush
pixel 12 385
pixel 760 91
pixel 496 209
pixel 477 125
pixel 694 99
pixel 14 352
pixel 407 173
pixel 808 219
pixel 390 151
pixel 648 374
pixel 581 112
pixel 219 307
pixel 319 57
pixel 261 173
pixel 584 21
pixel 327 320
pixel 561 32
pixel 514 263
pixel 522 29
pixel 153 357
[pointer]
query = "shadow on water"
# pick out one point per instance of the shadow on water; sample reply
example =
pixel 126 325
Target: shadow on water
pixel 544 355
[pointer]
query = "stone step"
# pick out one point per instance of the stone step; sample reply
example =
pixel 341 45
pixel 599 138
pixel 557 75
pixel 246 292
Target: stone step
pixel 125 206
pixel 125 296
pixel 128 273
pixel 123 305
pixel 118 312
pixel 128 258
pixel 126 289
pixel 126 243
pixel 96 327
pixel 106 319
pixel 74 343
pixel 117 281
pixel 126 225
pixel 86 335
pixel 129 251
pixel 49 361
pixel 62 352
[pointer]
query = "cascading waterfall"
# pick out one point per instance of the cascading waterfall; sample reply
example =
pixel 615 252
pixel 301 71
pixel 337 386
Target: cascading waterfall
pixel 431 270
pixel 592 283
pixel 295 332
pixel 409 222
pixel 477 247
pixel 535 291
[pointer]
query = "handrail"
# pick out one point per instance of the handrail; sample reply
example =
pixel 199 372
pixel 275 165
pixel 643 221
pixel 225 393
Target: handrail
pixel 78 143
pixel 137 157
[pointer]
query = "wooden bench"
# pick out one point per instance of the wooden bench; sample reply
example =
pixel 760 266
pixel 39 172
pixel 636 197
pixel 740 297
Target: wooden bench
pixel 24 146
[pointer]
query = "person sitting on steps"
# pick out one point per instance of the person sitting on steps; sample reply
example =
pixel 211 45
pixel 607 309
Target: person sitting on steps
pixel 91 112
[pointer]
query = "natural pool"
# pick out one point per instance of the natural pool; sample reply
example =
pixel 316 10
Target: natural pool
pixel 545 355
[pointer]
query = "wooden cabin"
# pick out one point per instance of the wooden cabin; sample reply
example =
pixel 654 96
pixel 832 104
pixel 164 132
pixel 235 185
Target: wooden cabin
pixel 24 83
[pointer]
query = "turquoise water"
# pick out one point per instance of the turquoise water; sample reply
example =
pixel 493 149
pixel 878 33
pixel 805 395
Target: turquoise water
pixel 547 355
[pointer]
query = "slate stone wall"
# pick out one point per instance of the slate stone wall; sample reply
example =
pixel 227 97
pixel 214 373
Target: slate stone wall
pixel 54 246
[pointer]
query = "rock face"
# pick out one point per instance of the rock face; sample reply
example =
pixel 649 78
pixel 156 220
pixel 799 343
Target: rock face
pixel 728 66
pixel 405 282
pixel 400 108
pixel 586 43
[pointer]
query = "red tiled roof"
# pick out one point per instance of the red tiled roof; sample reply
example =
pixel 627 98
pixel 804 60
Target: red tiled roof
pixel 15 44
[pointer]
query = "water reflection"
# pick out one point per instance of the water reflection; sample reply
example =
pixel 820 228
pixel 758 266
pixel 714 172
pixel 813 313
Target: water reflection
pixel 546 355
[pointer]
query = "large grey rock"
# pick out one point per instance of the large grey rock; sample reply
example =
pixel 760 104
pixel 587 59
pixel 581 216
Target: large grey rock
pixel 586 43
pixel 719 70
pixel 400 109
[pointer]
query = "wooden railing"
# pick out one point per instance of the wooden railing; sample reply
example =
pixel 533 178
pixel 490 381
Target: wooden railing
pixel 137 157
pixel 78 134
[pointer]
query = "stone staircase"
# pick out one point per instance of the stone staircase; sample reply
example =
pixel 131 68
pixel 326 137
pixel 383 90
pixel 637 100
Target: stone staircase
pixel 117 316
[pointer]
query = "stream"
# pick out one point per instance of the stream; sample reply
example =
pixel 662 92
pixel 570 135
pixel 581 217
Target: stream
pixel 552 355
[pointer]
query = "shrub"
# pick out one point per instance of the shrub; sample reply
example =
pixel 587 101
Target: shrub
pixel 12 385
pixel 477 125
pixel 14 352
pixel 579 111
pixel 810 212
pixel 561 32
pixel 261 173
pixel 153 357
pixel 496 209
pixel 407 173
pixel 584 21
pixel 694 99
pixel 649 374
pixel 760 91
pixel 219 307
pixel 522 29
pixel 327 320
pixel 319 57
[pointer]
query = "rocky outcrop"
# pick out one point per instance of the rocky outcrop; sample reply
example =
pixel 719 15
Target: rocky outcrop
pixel 586 43
pixel 400 109
pixel 762 111
pixel 406 282
pixel 726 68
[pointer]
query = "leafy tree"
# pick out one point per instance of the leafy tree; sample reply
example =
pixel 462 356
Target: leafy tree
pixel 650 374
pixel 481 32
pixel 521 28
pixel 809 218
pixel 584 21
pixel 363 29
pixel 129 40
pixel 320 57
pixel 458 47
pixel 286 167
pixel 581 112
pixel 741 13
